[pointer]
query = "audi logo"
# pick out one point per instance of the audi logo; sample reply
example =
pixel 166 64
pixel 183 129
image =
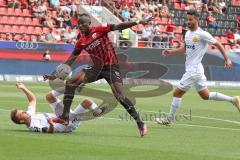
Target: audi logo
pixel 27 45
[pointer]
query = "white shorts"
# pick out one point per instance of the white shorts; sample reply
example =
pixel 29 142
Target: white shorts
pixel 189 79
pixel 74 120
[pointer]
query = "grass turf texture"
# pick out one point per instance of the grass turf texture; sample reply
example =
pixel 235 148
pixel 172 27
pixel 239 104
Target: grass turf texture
pixel 108 139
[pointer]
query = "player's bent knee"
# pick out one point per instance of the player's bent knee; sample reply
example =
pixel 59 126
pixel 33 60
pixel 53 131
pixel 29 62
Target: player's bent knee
pixel 49 97
pixel 86 103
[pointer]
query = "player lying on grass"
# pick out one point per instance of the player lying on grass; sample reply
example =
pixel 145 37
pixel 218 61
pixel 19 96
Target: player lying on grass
pixel 196 41
pixel 47 122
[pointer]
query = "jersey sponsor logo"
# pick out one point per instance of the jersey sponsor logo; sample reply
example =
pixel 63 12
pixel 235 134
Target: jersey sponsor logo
pixel 93 45
pixel 195 40
pixel 190 46
pixel 94 36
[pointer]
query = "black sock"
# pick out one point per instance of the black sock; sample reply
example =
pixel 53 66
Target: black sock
pixel 132 111
pixel 67 99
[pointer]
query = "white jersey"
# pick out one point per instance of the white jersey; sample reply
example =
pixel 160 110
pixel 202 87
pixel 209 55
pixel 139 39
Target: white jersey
pixel 196 46
pixel 39 122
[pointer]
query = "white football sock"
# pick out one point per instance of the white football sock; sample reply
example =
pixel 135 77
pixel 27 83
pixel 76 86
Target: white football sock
pixel 176 102
pixel 79 109
pixel 219 97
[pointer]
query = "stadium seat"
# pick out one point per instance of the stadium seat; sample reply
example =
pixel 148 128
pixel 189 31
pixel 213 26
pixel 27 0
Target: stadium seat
pixel 3 3
pixel 18 12
pixel 3 36
pixel 19 20
pixel 177 6
pixel 22 29
pixel 35 22
pixel 7 29
pixel 4 20
pixel 28 21
pixel 38 30
pixel 26 37
pixel 17 37
pixel 3 10
pixel 27 13
pixel 33 38
pixel 10 11
pixel 12 20
pixel 15 29
pixel 182 6
pixel 30 30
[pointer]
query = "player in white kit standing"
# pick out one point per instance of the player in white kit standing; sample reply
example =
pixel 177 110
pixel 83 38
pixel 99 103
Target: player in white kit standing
pixel 196 42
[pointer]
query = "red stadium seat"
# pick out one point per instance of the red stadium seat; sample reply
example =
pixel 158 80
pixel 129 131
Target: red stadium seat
pixel 30 30
pixel 12 20
pixel 38 30
pixel 15 29
pixel 4 20
pixel 3 36
pixel 182 6
pixel 33 38
pixel 36 22
pixel 26 37
pixel 7 29
pixel 10 11
pixel 27 12
pixel 177 6
pixel 3 11
pixel 3 3
pixel 28 21
pixel 22 29
pixel 18 12
pixel 17 37
pixel 1 27
pixel 19 20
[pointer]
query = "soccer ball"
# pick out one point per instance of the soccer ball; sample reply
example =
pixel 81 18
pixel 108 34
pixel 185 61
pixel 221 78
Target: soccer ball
pixel 63 72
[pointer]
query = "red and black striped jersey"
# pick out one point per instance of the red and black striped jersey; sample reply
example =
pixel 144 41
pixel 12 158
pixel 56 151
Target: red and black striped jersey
pixel 98 46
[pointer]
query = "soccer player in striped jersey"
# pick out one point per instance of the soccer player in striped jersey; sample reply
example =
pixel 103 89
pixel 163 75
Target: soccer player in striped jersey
pixel 94 40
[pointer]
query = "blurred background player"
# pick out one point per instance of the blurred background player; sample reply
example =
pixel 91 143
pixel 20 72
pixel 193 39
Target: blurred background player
pixel 196 41
pixel 47 122
pixel 95 41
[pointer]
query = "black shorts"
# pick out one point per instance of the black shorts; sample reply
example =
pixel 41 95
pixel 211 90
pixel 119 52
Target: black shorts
pixel 110 73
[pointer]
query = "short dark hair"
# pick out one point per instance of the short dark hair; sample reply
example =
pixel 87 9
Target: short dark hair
pixel 193 13
pixel 13 116
pixel 83 17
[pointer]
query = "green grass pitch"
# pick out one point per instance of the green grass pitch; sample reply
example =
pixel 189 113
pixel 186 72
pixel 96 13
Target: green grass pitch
pixel 213 133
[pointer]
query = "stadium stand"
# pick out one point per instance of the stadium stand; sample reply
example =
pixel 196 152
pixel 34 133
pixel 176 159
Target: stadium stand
pixel 49 21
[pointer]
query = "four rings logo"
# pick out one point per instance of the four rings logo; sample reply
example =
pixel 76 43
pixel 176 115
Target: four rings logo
pixel 27 45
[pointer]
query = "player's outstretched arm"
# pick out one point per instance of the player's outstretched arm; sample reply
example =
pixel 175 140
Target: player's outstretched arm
pixel 227 61
pixel 180 50
pixel 125 25
pixel 31 97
